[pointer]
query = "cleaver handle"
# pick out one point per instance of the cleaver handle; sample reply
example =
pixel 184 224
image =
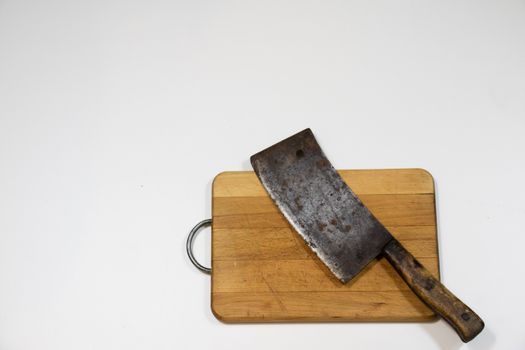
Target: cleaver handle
pixel 465 321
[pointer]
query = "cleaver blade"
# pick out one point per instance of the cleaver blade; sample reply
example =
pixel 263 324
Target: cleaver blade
pixel 319 205
pixel 341 230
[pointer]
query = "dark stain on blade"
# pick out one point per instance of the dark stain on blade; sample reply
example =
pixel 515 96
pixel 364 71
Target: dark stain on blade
pixel 319 204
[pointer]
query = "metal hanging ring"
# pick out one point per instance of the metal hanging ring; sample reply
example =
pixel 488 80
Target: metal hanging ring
pixel 189 245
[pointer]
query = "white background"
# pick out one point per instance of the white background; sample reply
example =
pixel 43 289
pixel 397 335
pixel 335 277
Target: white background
pixel 116 115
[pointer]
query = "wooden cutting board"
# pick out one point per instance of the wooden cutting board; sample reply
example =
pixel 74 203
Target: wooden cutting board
pixel 263 272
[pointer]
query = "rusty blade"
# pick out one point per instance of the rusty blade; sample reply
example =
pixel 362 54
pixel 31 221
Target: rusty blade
pixel 319 204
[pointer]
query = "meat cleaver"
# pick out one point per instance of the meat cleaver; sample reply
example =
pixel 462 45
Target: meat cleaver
pixel 341 230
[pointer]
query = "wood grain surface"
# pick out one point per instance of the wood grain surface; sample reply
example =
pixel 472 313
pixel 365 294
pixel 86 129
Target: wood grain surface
pixel 263 272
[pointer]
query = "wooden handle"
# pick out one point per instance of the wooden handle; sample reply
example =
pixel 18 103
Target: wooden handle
pixel 465 321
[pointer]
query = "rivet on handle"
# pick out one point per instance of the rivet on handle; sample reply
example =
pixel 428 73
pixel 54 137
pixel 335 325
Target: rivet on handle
pixel 189 245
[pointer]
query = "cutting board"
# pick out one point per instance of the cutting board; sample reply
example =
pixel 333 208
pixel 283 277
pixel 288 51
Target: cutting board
pixel 262 271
